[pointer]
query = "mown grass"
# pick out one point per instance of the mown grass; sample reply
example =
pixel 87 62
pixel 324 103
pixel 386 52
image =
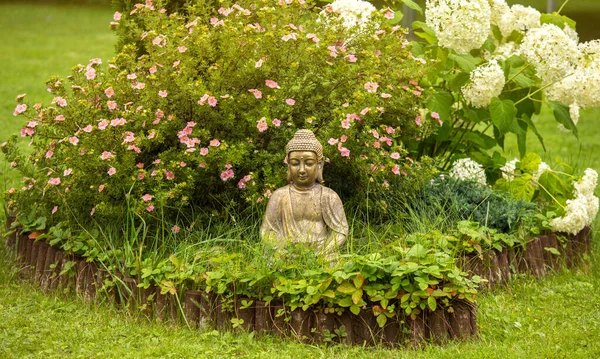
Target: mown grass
pixel 557 317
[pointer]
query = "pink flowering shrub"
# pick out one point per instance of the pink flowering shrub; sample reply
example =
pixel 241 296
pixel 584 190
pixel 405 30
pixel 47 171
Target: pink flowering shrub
pixel 198 111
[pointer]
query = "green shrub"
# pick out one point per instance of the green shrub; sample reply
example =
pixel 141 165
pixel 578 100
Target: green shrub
pixel 203 116
pixel 468 200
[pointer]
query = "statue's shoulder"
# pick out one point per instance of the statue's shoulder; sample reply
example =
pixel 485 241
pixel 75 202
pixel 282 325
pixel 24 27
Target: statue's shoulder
pixel 329 192
pixel 281 191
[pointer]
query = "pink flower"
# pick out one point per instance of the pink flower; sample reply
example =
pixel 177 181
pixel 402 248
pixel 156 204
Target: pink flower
pixel 418 120
pixel 13 164
pixel 162 93
pixel 88 128
pixel 258 63
pixel 132 76
pixel 276 122
pixel 343 138
pixel 160 41
pixel 59 118
pixel 117 122
pixel 332 141
pixel 396 170
pixel 111 105
pixel 151 134
pixel 152 70
pixel 54 181
pixel 395 155
pixel 49 154
pixel 216 22
pixel 54 209
pixel 262 125
pixel 147 197
pixel 413 82
pixel 170 175
pixel 313 37
pixel 272 84
pixel 242 182
pixel 117 16
pixel 92 211
pixel 129 137
pixel 344 152
pixel 435 115
pixel 227 174
pixel 141 176
pixel 212 101
pixel 417 93
pixel 59 101
pixel 67 172
pixel 204 151
pixel 389 130
pixel 109 92
pixel 27 132
pixel 102 124
pixel 155 162
pixel 345 104
pixel 351 58
pixel 90 74
pixel 256 93
pixel 20 109
pixel 371 87
pixel 376 145
pixel 139 165
pixel 138 85
pixel 364 111
pixel 290 101
pixel 107 155
pixel 176 63
pixel 175 229
pixel 74 140
pixel 291 36
pixel 386 95
pixel 111 171
pixel 346 124
pixel 389 15
pixel 150 208
pixel 215 143
pixel 182 49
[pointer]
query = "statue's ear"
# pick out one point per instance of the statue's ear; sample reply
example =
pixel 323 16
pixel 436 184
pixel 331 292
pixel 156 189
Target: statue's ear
pixel 320 172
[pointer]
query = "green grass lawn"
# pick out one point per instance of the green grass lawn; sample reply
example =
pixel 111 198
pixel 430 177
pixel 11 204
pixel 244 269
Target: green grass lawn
pixel 558 317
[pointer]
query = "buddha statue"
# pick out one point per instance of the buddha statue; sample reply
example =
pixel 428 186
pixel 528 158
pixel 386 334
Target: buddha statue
pixel 305 211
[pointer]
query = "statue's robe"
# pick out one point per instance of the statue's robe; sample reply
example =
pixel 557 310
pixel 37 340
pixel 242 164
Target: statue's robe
pixel 315 217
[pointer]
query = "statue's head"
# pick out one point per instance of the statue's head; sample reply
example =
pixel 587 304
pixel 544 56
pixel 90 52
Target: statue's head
pixel 305 159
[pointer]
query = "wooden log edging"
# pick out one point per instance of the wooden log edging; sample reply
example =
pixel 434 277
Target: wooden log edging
pixel 536 258
pixel 43 264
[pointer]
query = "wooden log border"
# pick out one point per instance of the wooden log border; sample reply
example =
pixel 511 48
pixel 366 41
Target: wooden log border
pixel 42 264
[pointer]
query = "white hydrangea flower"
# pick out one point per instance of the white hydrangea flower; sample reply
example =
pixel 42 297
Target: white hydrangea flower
pixel 582 210
pixel 543 167
pixel 574 112
pixel 462 25
pixel 571 33
pixel 587 184
pixel 520 18
pixel 552 52
pixel 468 170
pixel 505 50
pixel 487 81
pixel 352 12
pixel 498 8
pixel 508 170
pixel 575 218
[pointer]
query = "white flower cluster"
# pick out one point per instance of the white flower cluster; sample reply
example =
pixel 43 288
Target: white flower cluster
pixel 508 170
pixel 468 170
pixel 352 12
pixel 582 210
pixel 583 86
pixel 520 18
pixel 462 25
pixel 552 52
pixel 486 82
pixel 498 8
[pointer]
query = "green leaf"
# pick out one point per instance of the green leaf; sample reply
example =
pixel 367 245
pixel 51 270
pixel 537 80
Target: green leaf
pixel 558 20
pixel 417 251
pixel 466 61
pixel 357 296
pixel 531 125
pixel 522 188
pixel 355 309
pixel 427 33
pixel 562 116
pixel 432 303
pixel 346 288
pixel 398 16
pixel 440 102
pixel 358 280
pixel 530 163
pixel 552 250
pixel 503 114
pixel 413 5
pixel 381 320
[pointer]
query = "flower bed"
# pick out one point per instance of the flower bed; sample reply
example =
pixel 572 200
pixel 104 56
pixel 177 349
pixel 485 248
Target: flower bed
pixel 456 319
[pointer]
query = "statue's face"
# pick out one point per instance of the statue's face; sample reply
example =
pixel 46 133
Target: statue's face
pixel 304 167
